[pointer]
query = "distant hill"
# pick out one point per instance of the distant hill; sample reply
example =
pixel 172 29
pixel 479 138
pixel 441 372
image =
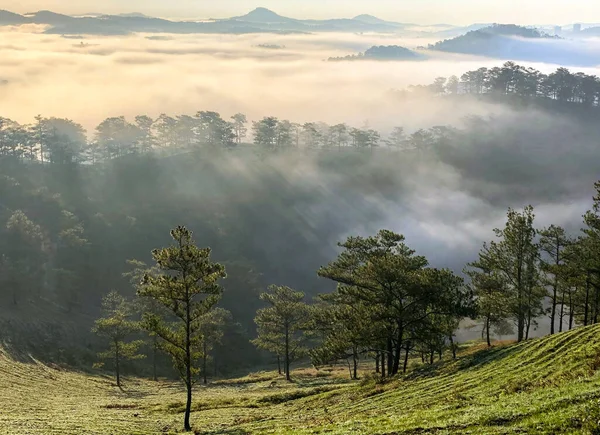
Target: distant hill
pixel 10 19
pixel 370 19
pixel 506 41
pixel 134 15
pixel 453 32
pixel 485 40
pixel 263 15
pixel 52 18
pixel 383 52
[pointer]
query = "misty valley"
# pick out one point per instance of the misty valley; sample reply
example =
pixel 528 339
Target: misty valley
pixel 270 225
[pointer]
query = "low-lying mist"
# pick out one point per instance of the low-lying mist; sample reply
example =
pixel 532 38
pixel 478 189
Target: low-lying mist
pixel 93 78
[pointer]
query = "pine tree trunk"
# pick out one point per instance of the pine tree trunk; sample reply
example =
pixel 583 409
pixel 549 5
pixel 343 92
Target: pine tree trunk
pixel 487 331
pixel 383 364
pixel 407 351
pixel 596 303
pixel 188 368
pixel 204 358
pixel 154 359
pixel 398 350
pixel 188 406
pixel 117 365
pixel 553 314
pixel 355 362
pixel 287 354
pixel 529 303
pixel 431 355
pixel 390 356
pixel 555 290
pixel 587 299
pixel 571 309
pixel 562 313
pixel 279 364
pixel 377 363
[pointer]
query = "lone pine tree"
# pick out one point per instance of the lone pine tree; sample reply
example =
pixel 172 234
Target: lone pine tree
pixel 187 285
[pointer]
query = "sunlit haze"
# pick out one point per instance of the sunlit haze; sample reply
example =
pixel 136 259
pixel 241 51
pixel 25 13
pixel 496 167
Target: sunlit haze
pixel 421 11
pixel 299 217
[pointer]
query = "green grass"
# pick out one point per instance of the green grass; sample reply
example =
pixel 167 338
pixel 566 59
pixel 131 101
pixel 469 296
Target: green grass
pixel 548 385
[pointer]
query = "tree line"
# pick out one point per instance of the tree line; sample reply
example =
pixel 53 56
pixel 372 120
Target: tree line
pixel 512 79
pixel 55 140
pixel 527 273
pixel 62 141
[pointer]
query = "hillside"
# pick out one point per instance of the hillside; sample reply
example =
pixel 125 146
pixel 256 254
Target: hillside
pixel 507 41
pixel 548 385
pixel 389 52
pixel 8 18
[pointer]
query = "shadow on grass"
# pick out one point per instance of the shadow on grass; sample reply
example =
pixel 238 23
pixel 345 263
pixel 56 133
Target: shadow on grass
pixel 472 361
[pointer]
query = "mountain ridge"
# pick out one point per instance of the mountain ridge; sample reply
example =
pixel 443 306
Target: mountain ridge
pixel 258 20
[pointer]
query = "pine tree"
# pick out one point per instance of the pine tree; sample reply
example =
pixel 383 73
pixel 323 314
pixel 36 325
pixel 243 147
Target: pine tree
pixel 553 244
pixel 117 326
pixel 346 328
pixel 146 304
pixel 187 285
pixel 281 324
pixel 212 326
pixel 239 127
pixel 24 257
pixel 491 292
pixel 515 258
pixel 384 274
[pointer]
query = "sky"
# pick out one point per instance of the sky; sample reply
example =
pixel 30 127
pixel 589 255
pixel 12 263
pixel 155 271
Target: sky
pixel 409 11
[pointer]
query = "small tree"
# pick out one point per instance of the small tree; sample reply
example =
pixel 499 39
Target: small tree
pixel 146 304
pixel 397 138
pixel 23 257
pixel 117 326
pixel 491 291
pixel 514 256
pixel 280 325
pixel 553 244
pixel 239 127
pixel 187 286
pixel 347 331
pixel 212 327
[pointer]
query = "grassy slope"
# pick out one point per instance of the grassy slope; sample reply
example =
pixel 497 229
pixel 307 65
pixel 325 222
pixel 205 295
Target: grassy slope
pixel 548 385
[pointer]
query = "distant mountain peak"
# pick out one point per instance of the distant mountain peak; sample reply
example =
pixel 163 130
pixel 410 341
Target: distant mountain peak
pixel 263 15
pixel 46 12
pixel 370 19
pixel 134 15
